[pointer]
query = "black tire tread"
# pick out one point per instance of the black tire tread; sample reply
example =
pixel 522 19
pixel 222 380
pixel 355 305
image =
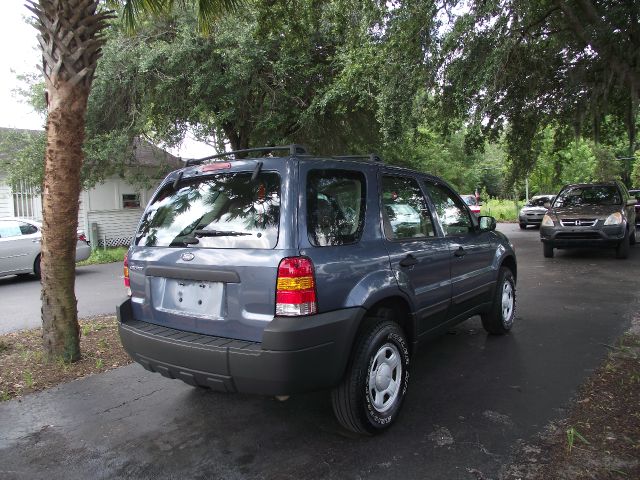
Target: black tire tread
pixel 622 250
pixel 492 320
pixel 343 397
pixel 36 267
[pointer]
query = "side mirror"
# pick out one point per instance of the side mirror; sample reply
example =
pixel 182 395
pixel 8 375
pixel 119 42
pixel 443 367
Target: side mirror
pixel 487 223
pixel 546 205
pixel 631 202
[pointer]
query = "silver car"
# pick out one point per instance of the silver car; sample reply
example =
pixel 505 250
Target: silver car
pixel 534 210
pixel 20 246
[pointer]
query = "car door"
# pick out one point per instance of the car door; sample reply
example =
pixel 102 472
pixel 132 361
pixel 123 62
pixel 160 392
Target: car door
pixel 471 252
pixel 19 245
pixel 418 253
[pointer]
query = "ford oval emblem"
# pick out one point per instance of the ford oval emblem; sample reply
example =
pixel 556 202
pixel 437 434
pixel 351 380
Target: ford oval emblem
pixel 188 256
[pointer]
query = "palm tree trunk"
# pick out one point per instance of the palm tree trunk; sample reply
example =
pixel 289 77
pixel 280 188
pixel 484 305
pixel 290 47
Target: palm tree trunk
pixel 63 160
pixel 70 39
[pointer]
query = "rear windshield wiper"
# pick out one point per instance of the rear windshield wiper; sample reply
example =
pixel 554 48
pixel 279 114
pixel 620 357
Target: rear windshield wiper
pixel 218 233
pixel 184 242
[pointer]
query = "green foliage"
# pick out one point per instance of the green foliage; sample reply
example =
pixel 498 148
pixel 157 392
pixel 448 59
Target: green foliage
pixel 515 68
pixel 572 435
pixel 110 255
pixel 501 210
pixel 635 176
pixel 502 93
pixel 24 154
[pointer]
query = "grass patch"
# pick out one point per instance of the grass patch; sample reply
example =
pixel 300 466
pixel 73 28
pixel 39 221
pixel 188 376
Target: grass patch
pixel 501 210
pixel 110 255
pixel 24 368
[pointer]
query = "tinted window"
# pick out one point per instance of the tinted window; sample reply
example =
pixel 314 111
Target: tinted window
pixel 27 228
pixel 223 211
pixel 404 209
pixel 588 195
pixel 335 206
pixel 451 212
pixel 539 202
pixel 470 200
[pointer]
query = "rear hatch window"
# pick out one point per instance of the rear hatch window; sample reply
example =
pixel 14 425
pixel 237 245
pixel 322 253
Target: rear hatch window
pixel 220 211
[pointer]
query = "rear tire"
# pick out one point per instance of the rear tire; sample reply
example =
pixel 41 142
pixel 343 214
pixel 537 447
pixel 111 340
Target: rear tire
pixel 369 398
pixel 547 250
pixel 36 267
pixel 499 320
pixel 622 250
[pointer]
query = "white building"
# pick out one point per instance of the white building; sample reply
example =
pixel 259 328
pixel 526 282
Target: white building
pixel 115 206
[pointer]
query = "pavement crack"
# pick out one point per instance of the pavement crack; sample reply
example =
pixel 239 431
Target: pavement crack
pixel 126 402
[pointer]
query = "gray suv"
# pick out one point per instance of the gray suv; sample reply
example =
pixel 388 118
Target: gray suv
pixel 283 274
pixel 590 215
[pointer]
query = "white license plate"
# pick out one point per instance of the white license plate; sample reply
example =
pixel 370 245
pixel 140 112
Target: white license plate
pixel 199 298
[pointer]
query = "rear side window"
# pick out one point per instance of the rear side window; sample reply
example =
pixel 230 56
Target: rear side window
pixel 335 207
pixel 222 211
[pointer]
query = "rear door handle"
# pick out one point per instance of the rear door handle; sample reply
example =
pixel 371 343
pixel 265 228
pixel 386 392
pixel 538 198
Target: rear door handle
pixel 460 252
pixel 408 261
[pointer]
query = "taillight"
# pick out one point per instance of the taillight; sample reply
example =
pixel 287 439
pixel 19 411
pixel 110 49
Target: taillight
pixel 82 236
pixel 126 270
pixel 296 287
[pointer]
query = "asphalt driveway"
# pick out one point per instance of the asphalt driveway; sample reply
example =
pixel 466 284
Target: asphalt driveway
pixel 472 399
pixel 98 290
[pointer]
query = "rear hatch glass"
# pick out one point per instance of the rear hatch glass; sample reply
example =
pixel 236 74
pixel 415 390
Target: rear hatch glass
pixel 220 211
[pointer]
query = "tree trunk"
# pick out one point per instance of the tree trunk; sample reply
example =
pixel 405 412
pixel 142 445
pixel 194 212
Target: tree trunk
pixel 61 191
pixel 70 40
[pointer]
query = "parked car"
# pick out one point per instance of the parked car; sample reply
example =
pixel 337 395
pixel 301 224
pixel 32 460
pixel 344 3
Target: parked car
pixel 635 193
pixel 20 246
pixel 534 210
pixel 472 202
pixel 284 275
pixel 590 215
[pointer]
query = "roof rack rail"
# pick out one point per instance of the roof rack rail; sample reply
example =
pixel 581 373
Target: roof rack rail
pixel 373 157
pixel 294 149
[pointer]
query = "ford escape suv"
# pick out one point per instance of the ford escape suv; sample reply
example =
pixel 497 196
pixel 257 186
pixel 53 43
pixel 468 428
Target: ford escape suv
pixel 283 274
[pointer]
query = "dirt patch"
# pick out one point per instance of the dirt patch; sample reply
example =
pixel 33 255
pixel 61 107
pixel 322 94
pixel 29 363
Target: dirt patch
pixel 23 368
pixel 600 439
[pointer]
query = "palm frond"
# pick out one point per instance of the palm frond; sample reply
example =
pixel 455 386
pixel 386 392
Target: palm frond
pixel 208 11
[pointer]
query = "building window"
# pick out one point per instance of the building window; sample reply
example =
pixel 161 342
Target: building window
pixel 26 201
pixel 130 200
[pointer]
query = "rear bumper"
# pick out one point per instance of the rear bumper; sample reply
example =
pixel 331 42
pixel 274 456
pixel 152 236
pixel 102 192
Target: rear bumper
pixel 297 353
pixel 83 251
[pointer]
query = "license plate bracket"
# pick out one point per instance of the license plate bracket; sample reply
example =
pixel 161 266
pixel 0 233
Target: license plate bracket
pixel 189 297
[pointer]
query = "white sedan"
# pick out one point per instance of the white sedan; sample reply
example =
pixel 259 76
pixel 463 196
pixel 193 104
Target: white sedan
pixel 20 246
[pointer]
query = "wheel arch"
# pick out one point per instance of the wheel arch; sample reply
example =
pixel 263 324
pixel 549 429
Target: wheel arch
pixel 510 262
pixel 399 310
